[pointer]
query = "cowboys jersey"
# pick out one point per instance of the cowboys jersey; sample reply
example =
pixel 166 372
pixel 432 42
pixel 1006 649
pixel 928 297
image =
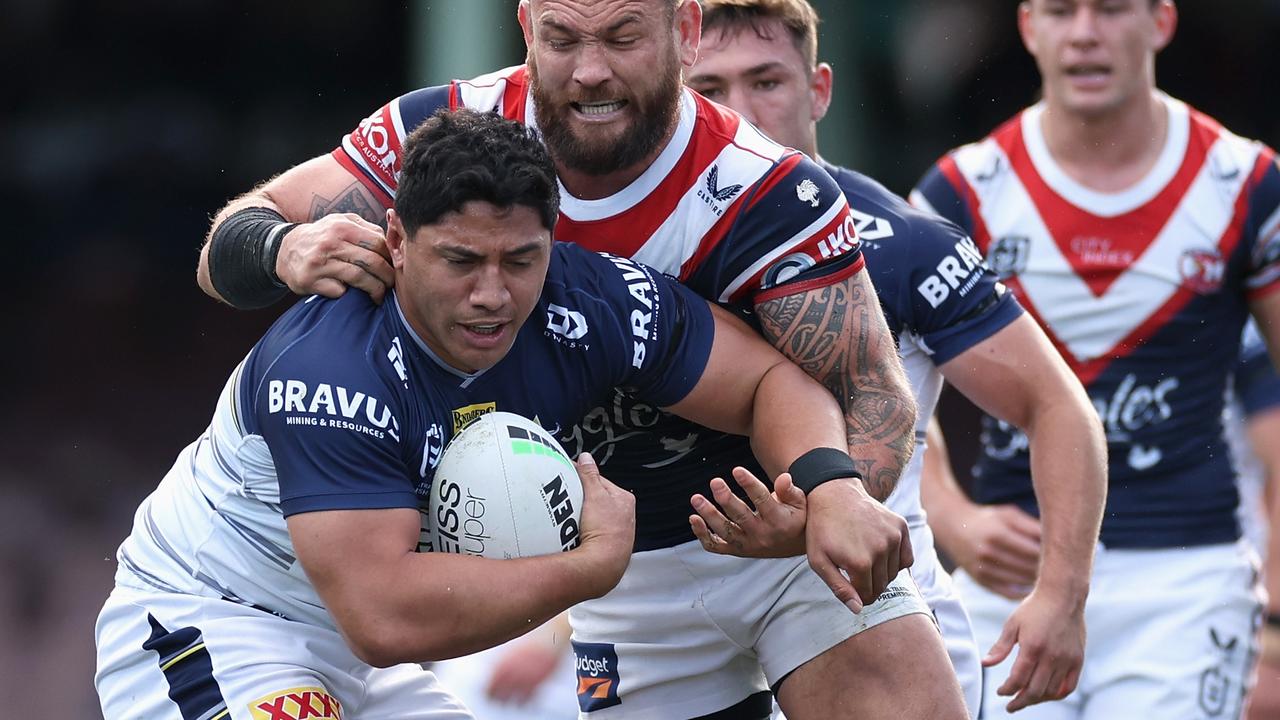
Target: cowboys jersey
pixel 341 405
pixel 1144 292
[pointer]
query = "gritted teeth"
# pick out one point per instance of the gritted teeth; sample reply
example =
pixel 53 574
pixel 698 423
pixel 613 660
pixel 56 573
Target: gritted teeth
pixel 1088 70
pixel 484 329
pixel 599 108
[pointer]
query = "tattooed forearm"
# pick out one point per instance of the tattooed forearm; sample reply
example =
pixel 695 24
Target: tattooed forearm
pixel 355 198
pixel 837 334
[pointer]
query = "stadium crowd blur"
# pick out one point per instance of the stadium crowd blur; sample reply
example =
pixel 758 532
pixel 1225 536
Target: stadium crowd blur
pixel 126 124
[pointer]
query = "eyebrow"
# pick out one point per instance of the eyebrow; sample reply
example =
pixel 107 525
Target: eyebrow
pixel 752 71
pixel 469 254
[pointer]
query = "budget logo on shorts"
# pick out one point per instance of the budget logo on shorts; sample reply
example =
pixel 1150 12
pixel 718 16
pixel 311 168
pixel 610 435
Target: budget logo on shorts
pixel 597 665
pixel 297 704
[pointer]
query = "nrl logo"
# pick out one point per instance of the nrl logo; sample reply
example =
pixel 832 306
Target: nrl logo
pixel 807 191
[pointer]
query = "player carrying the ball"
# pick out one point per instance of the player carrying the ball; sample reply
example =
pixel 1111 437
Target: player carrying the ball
pixel 274 572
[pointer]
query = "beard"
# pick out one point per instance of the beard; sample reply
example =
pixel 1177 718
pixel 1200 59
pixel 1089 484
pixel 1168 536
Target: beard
pixel 652 114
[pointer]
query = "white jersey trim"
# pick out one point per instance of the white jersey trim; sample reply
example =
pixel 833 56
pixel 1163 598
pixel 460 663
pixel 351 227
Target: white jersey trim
pixel 1105 204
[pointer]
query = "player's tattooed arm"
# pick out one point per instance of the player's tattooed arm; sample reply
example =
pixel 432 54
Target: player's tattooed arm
pixel 341 240
pixel 355 199
pixel 839 336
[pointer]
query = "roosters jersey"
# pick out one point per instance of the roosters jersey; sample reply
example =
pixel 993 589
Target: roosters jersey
pixel 341 405
pixel 1256 390
pixel 1144 292
pixel 724 209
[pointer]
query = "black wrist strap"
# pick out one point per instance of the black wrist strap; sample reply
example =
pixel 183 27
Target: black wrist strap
pixel 242 257
pixel 1273 620
pixel 820 465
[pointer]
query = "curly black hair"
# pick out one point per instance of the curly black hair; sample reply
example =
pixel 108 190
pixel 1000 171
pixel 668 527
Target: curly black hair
pixel 458 156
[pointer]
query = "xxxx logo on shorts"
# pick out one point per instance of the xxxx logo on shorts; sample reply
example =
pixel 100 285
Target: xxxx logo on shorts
pixel 597 665
pixel 297 704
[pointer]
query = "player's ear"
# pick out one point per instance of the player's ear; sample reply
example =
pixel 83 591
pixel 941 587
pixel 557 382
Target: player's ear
pixel 396 239
pixel 1024 27
pixel 820 91
pixel 1166 17
pixel 688 31
pixel 526 23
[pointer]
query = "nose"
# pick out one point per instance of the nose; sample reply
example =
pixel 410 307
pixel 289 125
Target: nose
pixel 736 98
pixel 592 67
pixel 490 291
pixel 1084 25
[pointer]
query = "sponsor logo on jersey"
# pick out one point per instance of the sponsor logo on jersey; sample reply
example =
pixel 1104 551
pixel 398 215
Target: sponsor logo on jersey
pixel 786 268
pixel 807 191
pixel 565 326
pixel 714 196
pixel 1101 252
pixel 1008 255
pixel 468 414
pixel 597 665
pixel 958 272
pixel 841 240
pixel 297 704
pixel 641 287
pixel 338 407
pixel 1202 271
pixel 376 141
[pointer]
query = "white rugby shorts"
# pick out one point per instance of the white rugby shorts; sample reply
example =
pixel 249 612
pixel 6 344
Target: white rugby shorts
pixel 688 632
pixel 1171 634
pixel 163 655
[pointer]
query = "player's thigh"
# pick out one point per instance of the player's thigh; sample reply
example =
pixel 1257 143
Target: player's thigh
pixel 651 649
pixel 889 660
pixel 1175 632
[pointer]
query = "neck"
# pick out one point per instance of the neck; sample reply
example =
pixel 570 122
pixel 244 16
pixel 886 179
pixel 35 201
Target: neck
pixel 1109 151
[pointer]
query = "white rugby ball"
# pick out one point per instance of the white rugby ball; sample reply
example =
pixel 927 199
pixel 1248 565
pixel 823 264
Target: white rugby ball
pixel 505 488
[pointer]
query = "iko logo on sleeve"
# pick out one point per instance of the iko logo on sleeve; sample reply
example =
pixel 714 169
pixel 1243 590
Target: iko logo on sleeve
pixel 597 665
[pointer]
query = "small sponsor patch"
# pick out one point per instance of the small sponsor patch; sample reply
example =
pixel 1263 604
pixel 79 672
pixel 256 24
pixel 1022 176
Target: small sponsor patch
pixel 597 665
pixel 468 414
pixel 297 704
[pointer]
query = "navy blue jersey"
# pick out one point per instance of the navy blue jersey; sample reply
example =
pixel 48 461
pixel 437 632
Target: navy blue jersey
pixel 356 409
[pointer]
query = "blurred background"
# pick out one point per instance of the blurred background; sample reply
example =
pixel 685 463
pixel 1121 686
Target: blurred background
pixel 127 124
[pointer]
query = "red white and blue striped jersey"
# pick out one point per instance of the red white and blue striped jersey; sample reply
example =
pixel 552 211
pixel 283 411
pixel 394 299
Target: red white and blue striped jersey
pixel 722 208
pixel 1144 292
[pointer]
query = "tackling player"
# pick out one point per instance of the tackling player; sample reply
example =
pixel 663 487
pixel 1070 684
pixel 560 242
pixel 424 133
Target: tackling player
pixel 1140 234
pixel 655 172
pixel 952 320
pixel 276 572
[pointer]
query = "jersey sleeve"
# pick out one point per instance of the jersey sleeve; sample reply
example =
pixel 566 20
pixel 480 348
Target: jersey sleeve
pixel 793 219
pixel 1263 228
pixel 334 434
pixel 1257 384
pixel 943 290
pixel 943 191
pixel 661 331
pixel 372 152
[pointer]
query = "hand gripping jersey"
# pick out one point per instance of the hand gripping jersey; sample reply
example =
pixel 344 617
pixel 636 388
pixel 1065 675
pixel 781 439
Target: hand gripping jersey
pixel 1144 292
pixel 342 406
pixel 723 209
pixel 939 298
